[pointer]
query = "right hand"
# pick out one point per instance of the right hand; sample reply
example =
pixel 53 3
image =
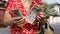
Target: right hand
pixel 17 20
pixel 10 21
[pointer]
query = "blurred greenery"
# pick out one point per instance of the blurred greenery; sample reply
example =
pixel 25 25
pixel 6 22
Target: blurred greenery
pixel 48 9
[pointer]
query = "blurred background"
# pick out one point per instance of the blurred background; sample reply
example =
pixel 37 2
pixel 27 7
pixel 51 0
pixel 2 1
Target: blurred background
pixel 53 12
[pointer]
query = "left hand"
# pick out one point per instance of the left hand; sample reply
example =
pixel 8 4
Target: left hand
pixel 41 18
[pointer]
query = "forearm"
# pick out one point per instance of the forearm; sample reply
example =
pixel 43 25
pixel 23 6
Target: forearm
pixel 7 19
pixel 8 22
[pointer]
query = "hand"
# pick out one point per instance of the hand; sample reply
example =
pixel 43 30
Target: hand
pixel 17 20
pixel 41 15
pixel 41 18
pixel 8 20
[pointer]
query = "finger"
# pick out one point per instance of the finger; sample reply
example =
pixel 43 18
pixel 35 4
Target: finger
pixel 19 21
pixel 17 18
pixel 42 16
pixel 38 18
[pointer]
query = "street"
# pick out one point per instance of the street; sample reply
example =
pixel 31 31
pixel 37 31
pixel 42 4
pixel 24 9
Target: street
pixel 56 30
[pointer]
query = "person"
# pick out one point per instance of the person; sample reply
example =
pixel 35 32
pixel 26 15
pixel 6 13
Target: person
pixel 24 26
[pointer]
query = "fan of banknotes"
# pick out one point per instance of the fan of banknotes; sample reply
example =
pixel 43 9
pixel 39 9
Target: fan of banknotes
pixel 32 14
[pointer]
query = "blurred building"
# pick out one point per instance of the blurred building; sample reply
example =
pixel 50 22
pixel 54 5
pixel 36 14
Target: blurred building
pixel 55 13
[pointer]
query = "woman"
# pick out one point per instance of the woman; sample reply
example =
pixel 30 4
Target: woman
pixel 24 26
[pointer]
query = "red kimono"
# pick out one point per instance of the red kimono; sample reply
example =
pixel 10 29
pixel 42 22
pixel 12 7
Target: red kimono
pixel 27 28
